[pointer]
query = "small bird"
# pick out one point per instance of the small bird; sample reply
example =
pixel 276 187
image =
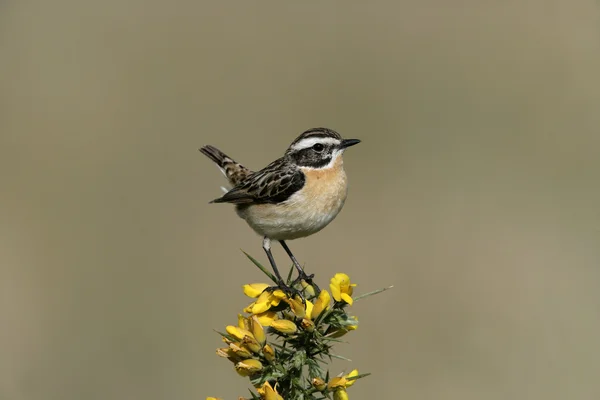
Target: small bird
pixel 295 196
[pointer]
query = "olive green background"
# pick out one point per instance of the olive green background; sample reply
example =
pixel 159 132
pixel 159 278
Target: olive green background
pixel 475 191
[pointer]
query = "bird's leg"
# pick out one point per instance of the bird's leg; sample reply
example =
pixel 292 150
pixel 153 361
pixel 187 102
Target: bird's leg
pixel 267 249
pixel 290 291
pixel 301 274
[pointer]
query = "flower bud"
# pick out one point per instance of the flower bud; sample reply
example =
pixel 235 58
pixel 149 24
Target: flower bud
pixel 248 367
pixel 243 322
pixel 307 325
pixel 297 307
pixel 237 332
pixel 269 353
pixel 308 288
pixel 284 326
pixel 257 330
pixel 340 394
pixel 252 344
pixel 319 384
pixel 321 304
pixel 240 351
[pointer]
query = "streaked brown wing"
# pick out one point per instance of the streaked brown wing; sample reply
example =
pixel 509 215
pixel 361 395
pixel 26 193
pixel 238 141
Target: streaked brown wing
pixel 273 184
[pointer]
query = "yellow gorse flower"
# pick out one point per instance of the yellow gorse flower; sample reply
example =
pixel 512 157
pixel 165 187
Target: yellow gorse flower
pixel 251 343
pixel 352 374
pixel 309 309
pixel 340 394
pixel 243 322
pixel 258 330
pixel 269 393
pixel 254 289
pixel 321 304
pixel 343 381
pixel 296 306
pixel 237 332
pixel 337 382
pixel 341 288
pixel 240 350
pixel 248 367
pixel 269 353
pixel 266 318
pixel 284 326
pixel 308 288
pixel 266 300
pixel 303 330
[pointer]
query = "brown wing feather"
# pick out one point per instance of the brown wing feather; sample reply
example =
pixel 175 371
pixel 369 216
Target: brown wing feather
pixel 234 171
pixel 273 184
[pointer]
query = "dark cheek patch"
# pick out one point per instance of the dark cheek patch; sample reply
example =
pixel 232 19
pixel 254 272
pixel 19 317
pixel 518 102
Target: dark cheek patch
pixel 310 158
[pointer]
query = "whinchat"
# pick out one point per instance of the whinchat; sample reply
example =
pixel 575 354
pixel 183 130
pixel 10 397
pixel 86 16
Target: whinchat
pixel 295 196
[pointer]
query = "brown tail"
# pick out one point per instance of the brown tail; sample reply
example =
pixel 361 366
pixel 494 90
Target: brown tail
pixel 234 172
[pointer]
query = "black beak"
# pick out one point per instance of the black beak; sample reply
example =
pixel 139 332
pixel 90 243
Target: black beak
pixel 349 142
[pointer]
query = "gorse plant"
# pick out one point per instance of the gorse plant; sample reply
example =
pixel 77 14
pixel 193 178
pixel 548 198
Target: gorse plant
pixel 283 341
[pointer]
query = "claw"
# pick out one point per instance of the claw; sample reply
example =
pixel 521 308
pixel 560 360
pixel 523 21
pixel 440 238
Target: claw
pixel 308 279
pixel 290 291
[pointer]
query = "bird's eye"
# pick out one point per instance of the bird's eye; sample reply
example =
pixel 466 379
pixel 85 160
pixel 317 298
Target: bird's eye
pixel 318 147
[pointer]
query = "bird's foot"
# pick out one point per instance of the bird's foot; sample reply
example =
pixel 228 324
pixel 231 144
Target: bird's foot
pixel 290 291
pixel 302 276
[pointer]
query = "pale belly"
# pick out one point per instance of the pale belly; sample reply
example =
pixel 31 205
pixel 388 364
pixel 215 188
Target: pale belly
pixel 301 215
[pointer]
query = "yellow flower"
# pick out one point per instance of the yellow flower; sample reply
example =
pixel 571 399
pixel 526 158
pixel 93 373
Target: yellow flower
pixel 340 394
pixel 307 325
pixel 321 304
pixel 343 381
pixel 269 353
pixel 237 332
pixel 307 287
pixel 243 322
pixel 213 398
pixel 268 393
pixel 248 308
pixel 267 300
pixel 240 350
pixel 266 318
pixel 337 382
pixel 248 367
pixel 251 343
pixel 352 374
pixel 257 330
pixel 296 306
pixel 309 309
pixel 284 326
pixel 254 289
pixel 341 288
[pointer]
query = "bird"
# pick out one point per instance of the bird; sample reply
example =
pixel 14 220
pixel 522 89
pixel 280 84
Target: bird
pixel 293 197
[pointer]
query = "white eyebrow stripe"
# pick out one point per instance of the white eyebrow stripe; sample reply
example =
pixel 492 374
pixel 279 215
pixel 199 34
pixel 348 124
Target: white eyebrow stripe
pixel 310 142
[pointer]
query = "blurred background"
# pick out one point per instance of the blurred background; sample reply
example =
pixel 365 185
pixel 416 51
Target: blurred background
pixel 475 190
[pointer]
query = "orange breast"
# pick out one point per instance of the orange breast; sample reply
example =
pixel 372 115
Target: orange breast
pixel 325 190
